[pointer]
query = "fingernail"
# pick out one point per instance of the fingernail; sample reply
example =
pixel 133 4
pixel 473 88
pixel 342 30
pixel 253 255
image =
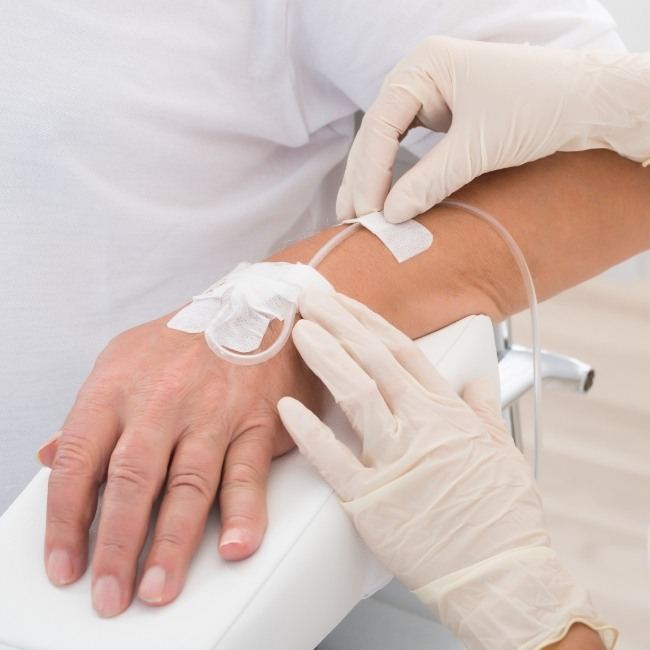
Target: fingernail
pixel 59 566
pixel 232 536
pixel 48 442
pixel 106 596
pixel 152 585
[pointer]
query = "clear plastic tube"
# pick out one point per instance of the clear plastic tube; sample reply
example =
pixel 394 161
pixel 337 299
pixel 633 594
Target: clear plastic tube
pixel 277 345
pixel 534 322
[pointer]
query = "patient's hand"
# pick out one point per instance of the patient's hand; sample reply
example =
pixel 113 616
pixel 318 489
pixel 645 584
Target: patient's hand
pixel 160 410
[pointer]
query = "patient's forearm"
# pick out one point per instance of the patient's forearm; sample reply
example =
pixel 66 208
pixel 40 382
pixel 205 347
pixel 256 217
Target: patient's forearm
pixel 572 214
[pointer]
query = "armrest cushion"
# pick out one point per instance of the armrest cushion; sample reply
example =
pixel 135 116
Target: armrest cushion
pixel 310 572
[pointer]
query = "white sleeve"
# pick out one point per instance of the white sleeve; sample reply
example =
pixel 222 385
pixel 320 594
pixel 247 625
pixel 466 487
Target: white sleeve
pixel 343 50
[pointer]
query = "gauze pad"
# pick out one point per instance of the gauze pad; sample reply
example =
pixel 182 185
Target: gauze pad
pixel 403 240
pixel 235 312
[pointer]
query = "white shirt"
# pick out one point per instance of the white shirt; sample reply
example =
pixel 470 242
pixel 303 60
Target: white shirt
pixel 146 147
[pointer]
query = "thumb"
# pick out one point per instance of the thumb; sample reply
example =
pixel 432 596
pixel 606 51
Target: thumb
pixel 315 440
pixel 369 169
pixel 443 170
pixel 47 451
pixel 482 397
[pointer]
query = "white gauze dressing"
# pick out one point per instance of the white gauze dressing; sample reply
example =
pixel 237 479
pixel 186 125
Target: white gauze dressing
pixel 404 240
pixel 235 312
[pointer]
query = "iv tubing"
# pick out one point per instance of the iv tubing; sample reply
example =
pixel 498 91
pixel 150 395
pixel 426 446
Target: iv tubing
pixel 330 245
pixel 532 304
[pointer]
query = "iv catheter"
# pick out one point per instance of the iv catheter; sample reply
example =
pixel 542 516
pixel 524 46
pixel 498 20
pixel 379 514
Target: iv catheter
pixel 287 326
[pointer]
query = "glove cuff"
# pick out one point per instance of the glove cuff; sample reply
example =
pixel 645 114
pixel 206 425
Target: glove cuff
pixel 523 599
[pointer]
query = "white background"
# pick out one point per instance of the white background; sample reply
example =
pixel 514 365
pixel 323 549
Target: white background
pixel 633 18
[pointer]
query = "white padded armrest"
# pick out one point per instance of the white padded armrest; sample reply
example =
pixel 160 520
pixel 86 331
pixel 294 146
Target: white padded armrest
pixel 309 573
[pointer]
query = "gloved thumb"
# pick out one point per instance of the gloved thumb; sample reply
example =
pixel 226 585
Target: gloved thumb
pixel 369 169
pixel 443 170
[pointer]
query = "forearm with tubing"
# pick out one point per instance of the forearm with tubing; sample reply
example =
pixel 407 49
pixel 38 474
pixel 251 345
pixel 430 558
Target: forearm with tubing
pixel 572 214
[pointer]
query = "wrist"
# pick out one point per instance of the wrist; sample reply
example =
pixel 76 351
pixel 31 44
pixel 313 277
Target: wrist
pixel 523 599
pixel 579 637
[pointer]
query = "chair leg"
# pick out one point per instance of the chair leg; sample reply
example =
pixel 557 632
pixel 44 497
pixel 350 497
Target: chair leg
pixel 516 374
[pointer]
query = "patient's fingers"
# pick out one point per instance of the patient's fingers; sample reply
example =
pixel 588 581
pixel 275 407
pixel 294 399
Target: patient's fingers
pixel 333 460
pixel 134 478
pixel 87 439
pixel 242 494
pixel 190 490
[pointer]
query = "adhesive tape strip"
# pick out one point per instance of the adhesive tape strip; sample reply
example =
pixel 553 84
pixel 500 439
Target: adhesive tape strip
pixel 235 311
pixel 404 240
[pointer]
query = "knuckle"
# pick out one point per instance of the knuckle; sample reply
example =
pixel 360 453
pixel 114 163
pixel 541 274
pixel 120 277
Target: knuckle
pixel 74 457
pixel 241 473
pixel 107 371
pixel 242 519
pixel 171 381
pixel 191 482
pixel 170 538
pixel 125 475
pixel 60 519
pixel 159 391
pixel 63 519
pixel 95 396
pixel 113 546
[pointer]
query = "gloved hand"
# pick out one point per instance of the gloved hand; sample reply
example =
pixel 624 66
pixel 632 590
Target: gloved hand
pixel 501 105
pixel 439 493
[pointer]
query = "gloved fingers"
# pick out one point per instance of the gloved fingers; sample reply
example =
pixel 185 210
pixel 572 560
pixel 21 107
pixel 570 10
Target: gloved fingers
pixel 369 171
pixel 315 440
pixel 450 165
pixel 353 390
pixel 481 396
pixel 394 382
pixel 404 349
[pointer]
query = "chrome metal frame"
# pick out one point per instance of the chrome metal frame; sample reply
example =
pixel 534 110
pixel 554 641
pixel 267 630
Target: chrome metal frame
pixel 516 374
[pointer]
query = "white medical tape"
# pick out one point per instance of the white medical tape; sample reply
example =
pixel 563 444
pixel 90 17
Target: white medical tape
pixel 235 311
pixel 404 240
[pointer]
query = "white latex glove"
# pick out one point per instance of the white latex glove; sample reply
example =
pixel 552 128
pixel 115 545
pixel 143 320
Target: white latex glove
pixel 439 493
pixel 501 105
